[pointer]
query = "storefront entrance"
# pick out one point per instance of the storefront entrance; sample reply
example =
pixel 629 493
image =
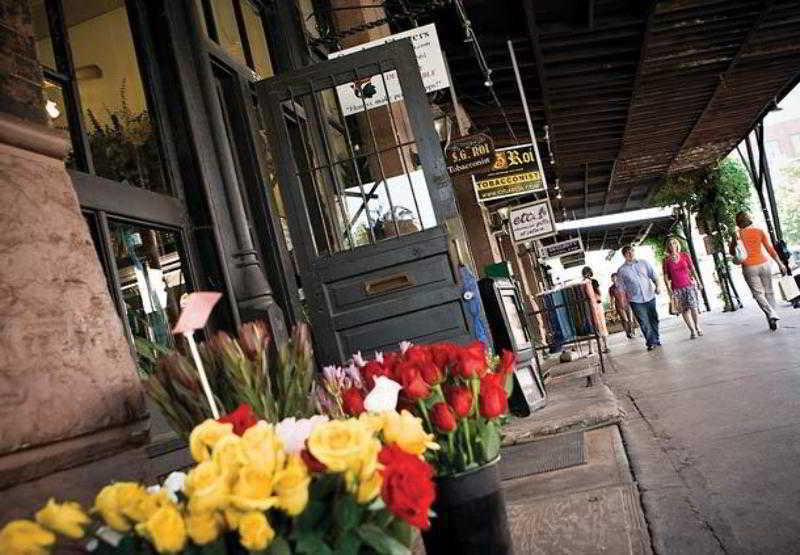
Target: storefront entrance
pixel 367 195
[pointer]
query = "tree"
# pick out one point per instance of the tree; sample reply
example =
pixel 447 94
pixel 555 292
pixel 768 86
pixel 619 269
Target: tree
pixel 788 198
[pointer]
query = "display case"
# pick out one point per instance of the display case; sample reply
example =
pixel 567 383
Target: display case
pixel 505 314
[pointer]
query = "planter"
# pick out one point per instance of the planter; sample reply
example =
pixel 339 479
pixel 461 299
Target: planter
pixel 470 514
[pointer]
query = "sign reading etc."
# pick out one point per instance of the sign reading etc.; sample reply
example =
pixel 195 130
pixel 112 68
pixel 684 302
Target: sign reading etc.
pixel 531 221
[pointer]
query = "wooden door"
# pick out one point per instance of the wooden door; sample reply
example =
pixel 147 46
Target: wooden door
pixel 367 193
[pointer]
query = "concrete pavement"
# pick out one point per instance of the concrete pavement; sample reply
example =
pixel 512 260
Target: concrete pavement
pixel 713 433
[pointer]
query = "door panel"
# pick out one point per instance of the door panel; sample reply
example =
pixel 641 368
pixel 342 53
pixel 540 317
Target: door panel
pixel 367 193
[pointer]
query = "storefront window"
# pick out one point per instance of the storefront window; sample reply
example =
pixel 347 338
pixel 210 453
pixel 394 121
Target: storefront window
pixel 55 105
pixel 237 26
pixel 152 280
pixel 122 136
pixel 41 35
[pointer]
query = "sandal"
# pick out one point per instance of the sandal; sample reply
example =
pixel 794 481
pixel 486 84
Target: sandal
pixel 693 336
pixel 699 332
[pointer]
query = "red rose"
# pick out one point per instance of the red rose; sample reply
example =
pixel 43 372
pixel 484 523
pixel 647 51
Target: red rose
pixel 242 418
pixel 472 360
pixel 460 400
pixel 353 401
pixel 418 353
pixel 493 379
pixel 414 387
pixel 312 463
pixel 443 417
pixel 444 354
pixel 493 400
pixel 390 360
pixel 431 373
pixel 507 361
pixel 407 489
pixel 372 370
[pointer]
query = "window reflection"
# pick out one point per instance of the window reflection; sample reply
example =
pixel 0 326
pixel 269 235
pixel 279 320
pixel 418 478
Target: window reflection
pixel 257 39
pixel 152 280
pixel 122 135
pixel 41 34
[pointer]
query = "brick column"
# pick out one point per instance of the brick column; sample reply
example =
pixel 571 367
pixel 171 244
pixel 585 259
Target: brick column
pixel 69 391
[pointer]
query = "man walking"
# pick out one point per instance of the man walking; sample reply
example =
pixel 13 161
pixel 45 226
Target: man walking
pixel 639 282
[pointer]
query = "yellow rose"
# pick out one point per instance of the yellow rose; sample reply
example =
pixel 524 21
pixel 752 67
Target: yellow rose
pixel 338 444
pixel 228 455
pixel 253 489
pixel 369 488
pixel 207 489
pixel 262 446
pixel 407 432
pixel 232 518
pixel 111 502
pixel 205 436
pixel 204 527
pixel 67 519
pixel 142 505
pixel 23 537
pixel 255 533
pixel 373 420
pixel 200 477
pixel 291 486
pixel 165 529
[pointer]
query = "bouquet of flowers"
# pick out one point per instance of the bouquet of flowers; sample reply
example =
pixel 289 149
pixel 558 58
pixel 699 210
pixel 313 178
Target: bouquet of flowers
pixel 459 392
pixel 310 486
pixel 249 369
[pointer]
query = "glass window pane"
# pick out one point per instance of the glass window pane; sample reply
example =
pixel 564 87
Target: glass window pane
pixel 152 279
pixel 257 38
pixel 122 134
pixel 227 29
pixel 41 35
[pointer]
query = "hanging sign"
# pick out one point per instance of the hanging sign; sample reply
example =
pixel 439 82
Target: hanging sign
pixel 573 260
pixel 531 221
pixel 562 248
pixel 513 172
pixel 371 92
pixel 469 154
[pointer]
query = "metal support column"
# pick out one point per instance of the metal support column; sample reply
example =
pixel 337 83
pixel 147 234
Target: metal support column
pixel 767 177
pixel 758 181
pixel 687 230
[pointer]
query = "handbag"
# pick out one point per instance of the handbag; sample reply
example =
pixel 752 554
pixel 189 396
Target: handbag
pixel 740 252
pixel 788 288
pixel 673 305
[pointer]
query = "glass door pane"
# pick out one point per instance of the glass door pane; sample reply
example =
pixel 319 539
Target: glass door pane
pixel 152 280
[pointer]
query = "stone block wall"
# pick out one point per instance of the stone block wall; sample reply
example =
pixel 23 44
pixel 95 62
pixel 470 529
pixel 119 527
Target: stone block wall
pixel 20 73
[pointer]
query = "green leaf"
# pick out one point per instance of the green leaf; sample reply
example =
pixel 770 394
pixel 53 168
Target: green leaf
pixel 310 517
pixel 377 504
pixel 402 532
pixel 383 518
pixel 216 547
pixel 347 513
pixel 380 541
pixel 490 440
pixel 312 544
pixel 347 544
pixel 279 546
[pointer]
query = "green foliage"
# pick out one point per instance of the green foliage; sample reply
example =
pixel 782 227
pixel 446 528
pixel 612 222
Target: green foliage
pixel 275 380
pixel 716 193
pixel 788 197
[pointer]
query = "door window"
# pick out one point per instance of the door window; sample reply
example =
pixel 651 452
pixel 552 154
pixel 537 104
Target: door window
pixel 357 160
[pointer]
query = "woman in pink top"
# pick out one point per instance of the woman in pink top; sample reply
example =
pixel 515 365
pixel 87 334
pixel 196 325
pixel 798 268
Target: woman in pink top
pixel 680 278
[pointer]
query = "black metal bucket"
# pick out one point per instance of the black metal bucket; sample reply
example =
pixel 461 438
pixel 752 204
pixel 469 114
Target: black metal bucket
pixel 470 515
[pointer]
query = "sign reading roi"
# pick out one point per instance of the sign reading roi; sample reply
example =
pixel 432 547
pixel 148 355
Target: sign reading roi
pixel 513 172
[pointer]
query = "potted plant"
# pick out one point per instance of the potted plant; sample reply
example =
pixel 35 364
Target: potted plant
pixel 461 395
pixel 313 486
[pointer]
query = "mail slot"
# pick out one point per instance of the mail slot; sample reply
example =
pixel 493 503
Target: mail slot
pixel 388 284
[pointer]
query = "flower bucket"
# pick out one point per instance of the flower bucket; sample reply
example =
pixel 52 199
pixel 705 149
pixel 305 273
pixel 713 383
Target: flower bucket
pixel 470 514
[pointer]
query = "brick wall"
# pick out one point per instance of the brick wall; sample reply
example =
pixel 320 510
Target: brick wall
pixel 20 73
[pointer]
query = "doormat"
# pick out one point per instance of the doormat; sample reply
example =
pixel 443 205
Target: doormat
pixel 545 455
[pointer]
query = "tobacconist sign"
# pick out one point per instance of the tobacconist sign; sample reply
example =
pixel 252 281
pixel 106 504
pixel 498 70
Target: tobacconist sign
pixel 513 172
pixel 562 248
pixel 531 221
pixel 469 154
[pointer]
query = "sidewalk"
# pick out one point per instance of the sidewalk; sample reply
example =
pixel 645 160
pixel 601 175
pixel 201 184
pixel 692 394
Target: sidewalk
pixel 713 433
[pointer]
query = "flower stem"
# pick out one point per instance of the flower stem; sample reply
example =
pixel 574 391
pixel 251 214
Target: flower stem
pixel 470 457
pixel 450 447
pixel 475 386
pixel 425 416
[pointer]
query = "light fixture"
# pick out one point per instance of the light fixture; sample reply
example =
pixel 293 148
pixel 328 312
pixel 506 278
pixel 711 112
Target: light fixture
pixel 558 196
pixel 52 109
pixel 442 124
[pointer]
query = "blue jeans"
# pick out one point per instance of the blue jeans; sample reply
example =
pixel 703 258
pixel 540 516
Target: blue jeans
pixel 647 316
